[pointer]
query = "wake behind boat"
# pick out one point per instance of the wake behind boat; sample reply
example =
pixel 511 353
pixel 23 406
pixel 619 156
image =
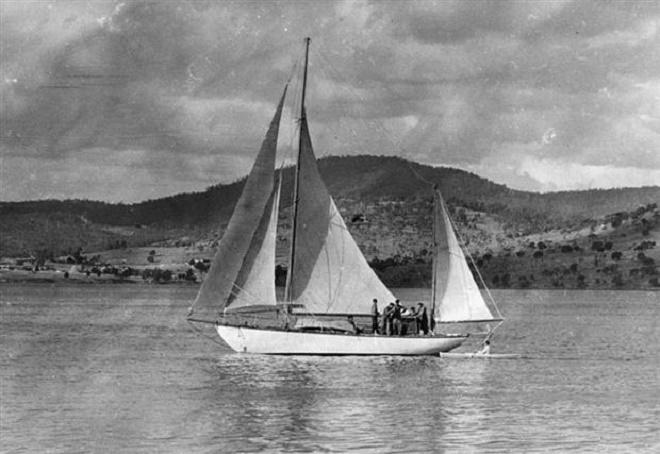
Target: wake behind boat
pixel 480 356
pixel 327 308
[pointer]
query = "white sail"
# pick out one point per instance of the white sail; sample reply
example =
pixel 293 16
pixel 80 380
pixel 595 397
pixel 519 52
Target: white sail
pixel 329 272
pixel 255 283
pixel 243 235
pixel 341 280
pixel 456 293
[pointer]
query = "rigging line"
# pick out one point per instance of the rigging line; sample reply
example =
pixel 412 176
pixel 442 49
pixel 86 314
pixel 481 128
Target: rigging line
pixel 332 74
pixel 201 333
pixel 418 175
pixel 294 68
pixel 289 125
pixel 296 85
pixel 237 291
pixel 374 124
pixel 294 122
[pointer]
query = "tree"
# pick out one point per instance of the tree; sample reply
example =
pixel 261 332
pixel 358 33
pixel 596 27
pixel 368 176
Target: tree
pixel 190 275
pixel 617 280
pixel 201 266
pixel 581 281
pixel 166 276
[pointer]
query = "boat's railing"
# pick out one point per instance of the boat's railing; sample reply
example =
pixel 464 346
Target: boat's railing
pixel 283 317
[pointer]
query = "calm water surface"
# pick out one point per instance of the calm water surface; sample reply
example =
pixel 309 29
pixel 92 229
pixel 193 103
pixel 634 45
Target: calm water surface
pixel 117 369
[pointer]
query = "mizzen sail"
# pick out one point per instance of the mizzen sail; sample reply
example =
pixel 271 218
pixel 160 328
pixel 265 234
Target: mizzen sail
pixel 237 242
pixel 329 272
pixel 456 294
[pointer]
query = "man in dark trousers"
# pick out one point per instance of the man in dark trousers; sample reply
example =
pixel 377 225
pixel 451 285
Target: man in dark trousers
pixel 387 319
pixel 422 319
pixel 374 316
pixel 396 318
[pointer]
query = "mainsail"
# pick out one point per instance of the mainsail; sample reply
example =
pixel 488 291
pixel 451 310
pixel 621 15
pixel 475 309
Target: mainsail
pixel 329 272
pixel 456 296
pixel 246 235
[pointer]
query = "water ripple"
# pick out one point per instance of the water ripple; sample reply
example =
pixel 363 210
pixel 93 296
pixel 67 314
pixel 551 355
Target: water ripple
pixel 117 369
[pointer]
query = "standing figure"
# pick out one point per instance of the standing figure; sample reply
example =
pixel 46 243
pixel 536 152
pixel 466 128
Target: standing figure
pixel 422 319
pixel 396 319
pixel 374 316
pixel 387 319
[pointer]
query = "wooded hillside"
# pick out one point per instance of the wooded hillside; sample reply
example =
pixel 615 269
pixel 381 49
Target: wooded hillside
pixel 385 201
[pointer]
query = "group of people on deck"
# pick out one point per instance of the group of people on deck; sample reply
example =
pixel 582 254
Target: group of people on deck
pixel 397 320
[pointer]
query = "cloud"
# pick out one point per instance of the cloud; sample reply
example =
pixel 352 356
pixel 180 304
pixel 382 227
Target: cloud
pixel 128 175
pixel 525 170
pixel 166 90
pixel 556 175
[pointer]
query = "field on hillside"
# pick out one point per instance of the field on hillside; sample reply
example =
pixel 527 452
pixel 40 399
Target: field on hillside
pixel 518 239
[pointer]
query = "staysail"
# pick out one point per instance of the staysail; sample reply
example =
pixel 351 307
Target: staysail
pixel 255 283
pixel 329 272
pixel 456 295
pixel 246 233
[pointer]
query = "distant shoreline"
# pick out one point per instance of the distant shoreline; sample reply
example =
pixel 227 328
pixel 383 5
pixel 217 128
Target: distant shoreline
pixel 8 277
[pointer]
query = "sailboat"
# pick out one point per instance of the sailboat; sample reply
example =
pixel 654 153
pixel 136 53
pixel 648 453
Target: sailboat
pixel 330 286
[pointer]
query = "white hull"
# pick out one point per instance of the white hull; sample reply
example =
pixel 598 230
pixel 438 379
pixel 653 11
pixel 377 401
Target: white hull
pixel 273 342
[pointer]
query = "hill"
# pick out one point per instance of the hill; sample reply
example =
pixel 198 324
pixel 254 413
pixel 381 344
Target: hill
pixel 363 178
pixel 386 202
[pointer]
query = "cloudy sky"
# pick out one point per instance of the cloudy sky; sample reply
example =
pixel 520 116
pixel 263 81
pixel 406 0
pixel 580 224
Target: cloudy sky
pixel 125 101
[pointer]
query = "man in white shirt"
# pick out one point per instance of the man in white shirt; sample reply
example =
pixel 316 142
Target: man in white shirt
pixel 485 350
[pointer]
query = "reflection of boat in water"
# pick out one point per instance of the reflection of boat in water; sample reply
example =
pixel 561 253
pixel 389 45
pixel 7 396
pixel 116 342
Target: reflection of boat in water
pixel 330 285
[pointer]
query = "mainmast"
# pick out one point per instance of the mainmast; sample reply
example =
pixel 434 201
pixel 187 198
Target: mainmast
pixel 303 118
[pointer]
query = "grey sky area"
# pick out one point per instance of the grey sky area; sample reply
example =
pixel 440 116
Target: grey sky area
pixel 126 101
